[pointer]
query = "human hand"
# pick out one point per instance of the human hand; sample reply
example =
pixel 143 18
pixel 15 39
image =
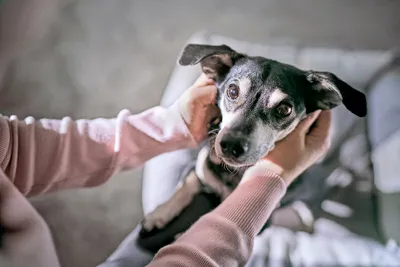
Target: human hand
pixel 301 148
pixel 25 238
pixel 198 107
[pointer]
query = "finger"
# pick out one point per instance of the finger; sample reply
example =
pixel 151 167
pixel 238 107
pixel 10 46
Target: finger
pixel 306 123
pixel 203 80
pixel 213 113
pixel 323 125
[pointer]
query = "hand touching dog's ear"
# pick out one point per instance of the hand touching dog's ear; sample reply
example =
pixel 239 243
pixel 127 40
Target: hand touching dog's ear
pixel 198 108
pixel 216 60
pixel 328 91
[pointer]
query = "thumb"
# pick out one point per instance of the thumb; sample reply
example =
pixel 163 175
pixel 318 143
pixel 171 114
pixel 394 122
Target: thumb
pixel 213 113
pixel 304 126
pixel 203 80
pixel 323 125
pixel 206 95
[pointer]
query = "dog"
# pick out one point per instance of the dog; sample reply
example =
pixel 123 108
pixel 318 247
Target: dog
pixel 261 102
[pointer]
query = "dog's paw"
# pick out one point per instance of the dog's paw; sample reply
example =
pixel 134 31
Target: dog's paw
pixel 158 218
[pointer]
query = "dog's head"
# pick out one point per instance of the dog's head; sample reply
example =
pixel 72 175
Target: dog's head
pixel 262 100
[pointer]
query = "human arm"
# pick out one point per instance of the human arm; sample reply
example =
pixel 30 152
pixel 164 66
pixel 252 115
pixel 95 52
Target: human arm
pixel 225 236
pixel 46 155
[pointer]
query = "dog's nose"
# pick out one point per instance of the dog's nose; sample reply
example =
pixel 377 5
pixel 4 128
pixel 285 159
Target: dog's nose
pixel 235 147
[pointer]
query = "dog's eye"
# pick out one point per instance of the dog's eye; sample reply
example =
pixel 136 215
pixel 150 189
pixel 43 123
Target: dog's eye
pixel 284 109
pixel 233 91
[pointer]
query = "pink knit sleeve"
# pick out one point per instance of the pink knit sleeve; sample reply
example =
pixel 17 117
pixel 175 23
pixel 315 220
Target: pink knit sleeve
pixel 225 236
pixel 46 155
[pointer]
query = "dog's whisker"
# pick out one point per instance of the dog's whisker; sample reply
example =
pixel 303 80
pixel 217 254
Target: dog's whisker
pixel 211 150
pixel 215 131
pixel 226 167
pixel 223 165
pixel 211 139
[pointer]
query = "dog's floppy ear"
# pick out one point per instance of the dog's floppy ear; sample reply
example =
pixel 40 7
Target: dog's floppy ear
pixel 216 60
pixel 328 91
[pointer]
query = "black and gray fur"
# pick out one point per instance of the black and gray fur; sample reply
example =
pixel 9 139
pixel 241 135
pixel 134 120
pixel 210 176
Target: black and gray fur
pixel 250 123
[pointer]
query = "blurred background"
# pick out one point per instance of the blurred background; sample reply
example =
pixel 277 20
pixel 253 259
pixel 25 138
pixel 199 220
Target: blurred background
pixel 91 58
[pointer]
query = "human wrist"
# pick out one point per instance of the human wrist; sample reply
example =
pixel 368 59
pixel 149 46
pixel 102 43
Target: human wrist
pixel 264 167
pixel 177 112
pixel 198 134
pixel 268 166
pixel 251 203
pixel 182 109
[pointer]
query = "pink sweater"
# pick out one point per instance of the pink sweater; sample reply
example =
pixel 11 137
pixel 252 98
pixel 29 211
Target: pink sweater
pixel 49 155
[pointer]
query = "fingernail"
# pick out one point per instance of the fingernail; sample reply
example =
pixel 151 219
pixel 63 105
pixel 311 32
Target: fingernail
pixel 315 113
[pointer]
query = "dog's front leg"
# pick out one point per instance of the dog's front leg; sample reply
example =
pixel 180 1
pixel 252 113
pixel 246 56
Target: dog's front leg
pixel 164 213
pixel 207 176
